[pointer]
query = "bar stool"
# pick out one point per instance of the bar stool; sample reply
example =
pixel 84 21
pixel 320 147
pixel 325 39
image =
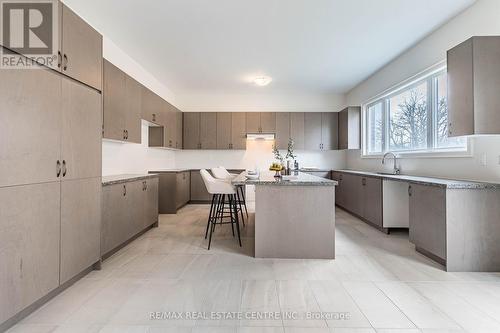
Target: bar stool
pixel 222 173
pixel 220 191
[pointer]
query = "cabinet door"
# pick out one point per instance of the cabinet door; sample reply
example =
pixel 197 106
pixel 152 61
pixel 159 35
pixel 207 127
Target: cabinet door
pixel 352 185
pixel 178 139
pixel 224 130
pixel 133 94
pixel 29 244
pixel 30 128
pixel 238 130
pixel 135 208
pixel 151 202
pixel 151 106
pixel 114 217
pixel 329 130
pixel 253 122
pixel 80 225
pixel 179 189
pixel 191 138
pixel 339 189
pixel 460 78
pixel 81 131
pixel 198 189
pixel 170 124
pixel 82 48
pixel 372 200
pixel 186 187
pixel 114 102
pixel 268 122
pixel 167 193
pixel 312 130
pixel 428 218
pixel 343 129
pixel 297 129
pixel 208 130
pixel 282 129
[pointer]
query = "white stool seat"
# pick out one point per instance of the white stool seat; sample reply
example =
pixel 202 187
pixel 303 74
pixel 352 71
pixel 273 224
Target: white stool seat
pixel 216 186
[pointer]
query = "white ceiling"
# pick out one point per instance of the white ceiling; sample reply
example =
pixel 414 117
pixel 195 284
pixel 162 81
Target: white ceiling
pixel 313 46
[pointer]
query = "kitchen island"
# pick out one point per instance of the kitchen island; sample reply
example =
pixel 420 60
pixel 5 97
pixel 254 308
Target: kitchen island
pixel 294 218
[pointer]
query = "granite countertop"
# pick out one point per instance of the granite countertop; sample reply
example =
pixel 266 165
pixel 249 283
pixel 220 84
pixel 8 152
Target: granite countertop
pixel 169 170
pixel 446 183
pixel 118 179
pixel 267 178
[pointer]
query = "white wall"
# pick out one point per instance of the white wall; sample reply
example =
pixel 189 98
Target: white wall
pixel 126 158
pixel 258 154
pixel 482 18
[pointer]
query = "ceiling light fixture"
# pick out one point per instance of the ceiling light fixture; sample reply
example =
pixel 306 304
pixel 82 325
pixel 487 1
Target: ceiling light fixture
pixel 262 81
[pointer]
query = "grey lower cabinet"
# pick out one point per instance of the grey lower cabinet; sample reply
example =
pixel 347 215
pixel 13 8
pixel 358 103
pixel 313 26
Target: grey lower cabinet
pixel 80 225
pixel 29 245
pixel 473 73
pixel 360 195
pixel 427 206
pixel 174 190
pixel 199 191
pixel 128 208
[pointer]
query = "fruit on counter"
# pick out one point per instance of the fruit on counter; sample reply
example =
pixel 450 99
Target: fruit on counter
pixel 276 167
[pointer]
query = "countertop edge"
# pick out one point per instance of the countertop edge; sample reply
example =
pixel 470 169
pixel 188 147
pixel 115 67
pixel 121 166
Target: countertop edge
pixel 126 179
pixel 430 181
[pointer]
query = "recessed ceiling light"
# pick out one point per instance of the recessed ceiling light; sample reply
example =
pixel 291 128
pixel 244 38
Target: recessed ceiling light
pixel 262 80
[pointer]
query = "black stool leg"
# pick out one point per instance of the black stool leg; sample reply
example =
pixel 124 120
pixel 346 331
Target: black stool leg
pixel 236 218
pixel 210 214
pixel 242 188
pixel 238 201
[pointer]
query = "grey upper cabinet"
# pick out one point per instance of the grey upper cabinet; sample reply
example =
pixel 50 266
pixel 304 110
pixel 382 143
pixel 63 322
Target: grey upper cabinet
pixel 30 128
pixel 253 122
pixel 121 105
pixel 267 122
pixel 349 128
pixel 329 130
pixel 133 91
pixel 282 129
pixel 208 130
pixel 297 130
pixel 29 244
pixel 151 106
pixel 81 131
pixel 428 219
pixel 224 137
pixel 80 225
pixel 238 130
pixel 178 136
pixel 312 130
pixel 191 130
pixel 114 102
pixel 81 50
pixel 261 122
pixel 473 79
pixel 169 123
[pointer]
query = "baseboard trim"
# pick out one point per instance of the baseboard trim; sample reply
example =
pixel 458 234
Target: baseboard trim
pixel 127 242
pixel 431 256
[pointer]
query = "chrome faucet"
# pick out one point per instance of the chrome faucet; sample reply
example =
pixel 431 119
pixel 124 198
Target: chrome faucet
pixel 396 170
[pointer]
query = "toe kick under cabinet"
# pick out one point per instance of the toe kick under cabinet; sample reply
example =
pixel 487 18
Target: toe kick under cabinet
pixel 129 207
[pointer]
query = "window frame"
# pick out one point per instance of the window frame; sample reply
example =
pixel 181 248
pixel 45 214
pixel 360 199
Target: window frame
pixel 432 150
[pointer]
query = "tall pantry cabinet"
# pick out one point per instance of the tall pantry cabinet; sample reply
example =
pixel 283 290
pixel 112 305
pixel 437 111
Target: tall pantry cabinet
pixel 50 172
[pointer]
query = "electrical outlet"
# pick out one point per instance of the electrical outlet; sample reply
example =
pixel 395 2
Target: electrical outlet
pixel 498 159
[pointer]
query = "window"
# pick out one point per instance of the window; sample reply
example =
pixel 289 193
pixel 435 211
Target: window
pixel 412 119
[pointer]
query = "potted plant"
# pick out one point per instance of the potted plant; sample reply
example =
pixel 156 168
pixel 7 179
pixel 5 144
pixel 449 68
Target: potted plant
pixel 278 167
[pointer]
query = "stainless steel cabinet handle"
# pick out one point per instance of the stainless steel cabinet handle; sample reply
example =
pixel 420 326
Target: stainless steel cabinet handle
pixel 363 181
pixel 58 168
pixel 124 190
pixel 410 191
pixel 126 131
pixel 59 59
pixel 154 116
pixel 64 168
pixel 65 62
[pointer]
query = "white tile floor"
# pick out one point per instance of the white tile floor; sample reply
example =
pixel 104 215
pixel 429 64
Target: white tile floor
pixel 377 280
